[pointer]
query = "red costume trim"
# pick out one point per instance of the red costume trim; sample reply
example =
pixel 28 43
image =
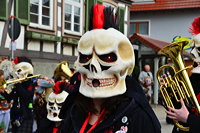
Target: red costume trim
pixel 100 118
pixel 55 130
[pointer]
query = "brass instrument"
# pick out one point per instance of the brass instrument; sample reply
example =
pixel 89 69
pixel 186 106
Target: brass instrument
pixel 63 70
pixel 176 86
pixel 5 83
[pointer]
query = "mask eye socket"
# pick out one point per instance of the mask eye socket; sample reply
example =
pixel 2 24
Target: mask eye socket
pixel 19 70
pixel 109 58
pixel 51 104
pixel 84 58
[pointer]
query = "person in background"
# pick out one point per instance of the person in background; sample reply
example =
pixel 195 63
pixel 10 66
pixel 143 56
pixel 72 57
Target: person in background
pixel 22 96
pixel 4 106
pixel 146 81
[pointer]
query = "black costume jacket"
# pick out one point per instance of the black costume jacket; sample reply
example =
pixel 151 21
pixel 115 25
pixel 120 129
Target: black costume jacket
pixel 47 126
pixel 136 115
pixel 194 122
pixel 22 96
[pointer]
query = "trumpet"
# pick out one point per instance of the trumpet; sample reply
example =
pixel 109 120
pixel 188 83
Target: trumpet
pixel 5 83
pixel 177 86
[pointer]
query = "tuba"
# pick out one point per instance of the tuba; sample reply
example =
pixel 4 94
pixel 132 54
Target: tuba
pixel 176 86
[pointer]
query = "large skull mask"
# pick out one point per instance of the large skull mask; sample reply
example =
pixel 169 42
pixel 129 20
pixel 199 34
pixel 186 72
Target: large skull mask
pixel 23 69
pixel 195 44
pixel 54 105
pixel 105 58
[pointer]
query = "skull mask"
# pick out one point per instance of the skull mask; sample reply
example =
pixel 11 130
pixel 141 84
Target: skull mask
pixel 23 69
pixel 195 44
pixel 54 105
pixel 105 58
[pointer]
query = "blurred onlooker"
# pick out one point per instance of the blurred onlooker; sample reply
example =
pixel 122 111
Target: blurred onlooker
pixel 146 81
pixel 4 107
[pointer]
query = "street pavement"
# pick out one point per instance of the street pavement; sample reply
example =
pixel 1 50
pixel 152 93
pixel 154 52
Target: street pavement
pixel 160 113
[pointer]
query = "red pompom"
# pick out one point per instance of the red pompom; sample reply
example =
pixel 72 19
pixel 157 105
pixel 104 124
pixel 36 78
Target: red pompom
pixel 56 88
pixel 195 28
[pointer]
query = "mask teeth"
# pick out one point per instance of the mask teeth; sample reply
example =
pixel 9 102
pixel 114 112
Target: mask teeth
pixel 103 82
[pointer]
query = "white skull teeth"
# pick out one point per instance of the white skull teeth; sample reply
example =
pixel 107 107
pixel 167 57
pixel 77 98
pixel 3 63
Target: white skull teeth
pixel 103 82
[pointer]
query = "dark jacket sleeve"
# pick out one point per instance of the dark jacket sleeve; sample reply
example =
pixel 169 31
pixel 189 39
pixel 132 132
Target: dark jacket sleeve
pixel 22 92
pixel 141 122
pixel 10 96
pixel 194 122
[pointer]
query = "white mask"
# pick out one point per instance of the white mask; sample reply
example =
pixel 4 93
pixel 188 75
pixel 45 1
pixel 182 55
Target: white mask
pixel 105 58
pixel 54 105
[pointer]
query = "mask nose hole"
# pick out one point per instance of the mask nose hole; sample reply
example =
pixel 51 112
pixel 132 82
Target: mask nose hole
pixel 93 69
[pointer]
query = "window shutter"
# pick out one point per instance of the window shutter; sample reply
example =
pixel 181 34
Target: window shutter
pixel 22 11
pixel 89 4
pixel 121 14
pixel 3 9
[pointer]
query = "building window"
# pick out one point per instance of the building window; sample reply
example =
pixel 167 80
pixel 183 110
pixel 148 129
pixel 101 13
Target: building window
pixel 139 27
pixel 109 3
pixel 73 16
pixel 41 13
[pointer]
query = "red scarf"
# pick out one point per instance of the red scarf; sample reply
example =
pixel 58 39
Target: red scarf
pixel 55 130
pixel 100 118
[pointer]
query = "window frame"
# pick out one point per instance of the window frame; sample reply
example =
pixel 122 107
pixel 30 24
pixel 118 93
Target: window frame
pixel 108 3
pixel 80 5
pixel 137 22
pixel 40 25
pixel 144 1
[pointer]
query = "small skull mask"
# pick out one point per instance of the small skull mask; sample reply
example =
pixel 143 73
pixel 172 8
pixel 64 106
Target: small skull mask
pixel 54 105
pixel 23 69
pixel 195 44
pixel 105 58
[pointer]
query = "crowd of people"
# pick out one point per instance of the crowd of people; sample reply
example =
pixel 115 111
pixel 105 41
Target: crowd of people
pixel 98 96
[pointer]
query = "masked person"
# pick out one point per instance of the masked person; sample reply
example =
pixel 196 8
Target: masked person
pixel 183 114
pixel 22 96
pixel 52 123
pixel 108 100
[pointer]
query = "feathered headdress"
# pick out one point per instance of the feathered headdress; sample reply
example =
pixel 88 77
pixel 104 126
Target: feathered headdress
pixel 103 18
pixel 195 28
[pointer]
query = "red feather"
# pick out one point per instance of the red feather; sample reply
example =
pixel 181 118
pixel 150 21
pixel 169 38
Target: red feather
pixel 195 28
pixel 98 16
